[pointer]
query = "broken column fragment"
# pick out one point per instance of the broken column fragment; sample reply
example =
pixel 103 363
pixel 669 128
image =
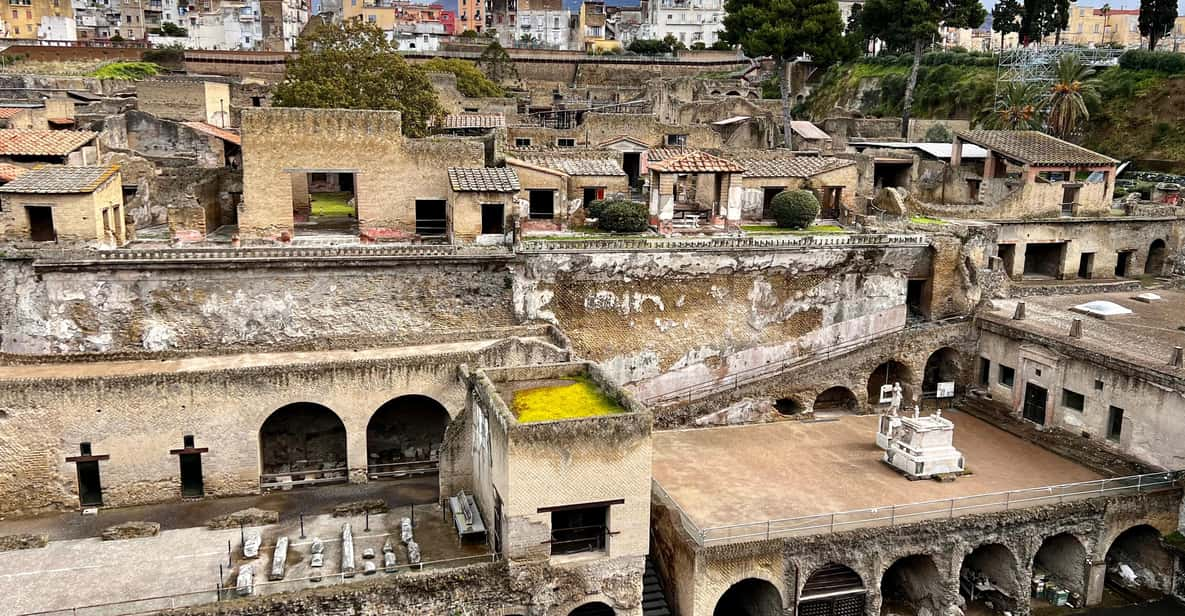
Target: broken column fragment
pixel 279 560
pixel 347 551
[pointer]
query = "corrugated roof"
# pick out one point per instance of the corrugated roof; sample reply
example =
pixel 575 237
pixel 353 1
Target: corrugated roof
pixel 474 120
pixel 21 142
pixel 933 148
pixel 791 166
pixel 214 131
pixel 483 179
pixel 1035 148
pixel 573 165
pixel 808 130
pixel 56 180
pixel 696 162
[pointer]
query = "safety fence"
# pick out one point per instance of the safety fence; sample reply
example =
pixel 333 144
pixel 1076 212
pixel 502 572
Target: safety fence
pixel 724 243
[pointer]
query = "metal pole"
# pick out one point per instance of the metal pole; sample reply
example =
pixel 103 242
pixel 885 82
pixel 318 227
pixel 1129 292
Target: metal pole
pixel 302 525
pixel 367 529
pixel 229 560
pixel 413 516
pixel 242 537
pixel 221 581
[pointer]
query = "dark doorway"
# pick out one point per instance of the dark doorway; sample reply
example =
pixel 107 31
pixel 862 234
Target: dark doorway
pixel 943 366
pixel 1114 423
pixel 579 529
pixel 1123 261
pixel 1086 265
pixel 830 200
pixel 404 436
pixel 832 590
pixel 889 373
pixel 985 371
pixel 493 218
pixel 41 223
pixel 750 597
pixel 891 174
pixel 592 193
pixel 592 609
pixel 1069 199
pixel 990 576
pixel 1035 399
pixel 1141 548
pixel 767 198
pixel 192 485
pixel 431 218
pixel 911 586
pixel 1044 260
pixel 835 401
pixel 90 489
pixel 302 444
pixel 542 204
pixel 631 163
pixel 1154 266
pixel 324 203
pixel 915 291
pixel 1007 254
pixel 1062 558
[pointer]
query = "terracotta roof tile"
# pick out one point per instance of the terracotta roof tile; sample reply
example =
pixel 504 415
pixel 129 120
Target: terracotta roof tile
pixel 574 165
pixel 483 179
pixel 1034 148
pixel 19 142
pixel 56 180
pixel 656 154
pixel 9 172
pixel 790 166
pixel 474 120
pixel 214 131
pixel 696 162
pixel 8 112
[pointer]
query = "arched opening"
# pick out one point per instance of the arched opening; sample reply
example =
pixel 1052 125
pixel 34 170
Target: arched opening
pixel 403 437
pixel 832 590
pixel 787 406
pixel 1156 255
pixel 750 597
pixel 889 373
pixel 943 366
pixel 836 401
pixel 1059 565
pixel 1137 561
pixel 302 444
pixel 732 93
pixel 596 608
pixel 990 579
pixel 910 586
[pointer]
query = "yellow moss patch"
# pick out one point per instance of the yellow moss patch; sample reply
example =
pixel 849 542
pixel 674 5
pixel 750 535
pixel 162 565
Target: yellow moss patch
pixel 580 397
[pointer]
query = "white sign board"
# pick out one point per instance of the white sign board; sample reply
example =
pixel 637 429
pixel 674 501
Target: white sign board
pixel 886 394
pixel 946 390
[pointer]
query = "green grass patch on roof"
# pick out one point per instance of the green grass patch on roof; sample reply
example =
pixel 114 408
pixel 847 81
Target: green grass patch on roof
pixel 332 204
pixel 926 220
pixel 126 71
pixel 579 397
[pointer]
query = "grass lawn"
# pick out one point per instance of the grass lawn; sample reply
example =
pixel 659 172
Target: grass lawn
pixel 811 230
pixel 926 220
pixel 332 204
pixel 585 233
pixel 580 397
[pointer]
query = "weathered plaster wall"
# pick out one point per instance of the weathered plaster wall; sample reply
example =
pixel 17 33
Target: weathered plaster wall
pixel 191 307
pixel 1104 238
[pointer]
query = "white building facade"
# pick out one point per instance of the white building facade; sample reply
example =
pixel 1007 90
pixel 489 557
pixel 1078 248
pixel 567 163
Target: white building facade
pixel 543 28
pixel 689 21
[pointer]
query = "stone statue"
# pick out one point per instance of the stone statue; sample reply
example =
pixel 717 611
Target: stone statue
pixel 895 401
pixel 917 411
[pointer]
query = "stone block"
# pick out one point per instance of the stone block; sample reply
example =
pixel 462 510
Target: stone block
pixel 389 562
pixel 130 530
pixel 24 541
pixel 368 568
pixel 347 551
pixel 244 517
pixel 373 505
pixel 251 542
pixel 245 583
pixel 279 560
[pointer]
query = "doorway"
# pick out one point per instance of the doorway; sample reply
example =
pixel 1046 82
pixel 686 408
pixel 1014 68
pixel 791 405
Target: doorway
pixel 592 193
pixel 493 219
pixel 1034 407
pixel 1069 199
pixel 542 204
pixel 431 218
pixel 832 198
pixel 1044 260
pixel 767 198
pixel 90 489
pixel 1086 265
pixel 1007 254
pixel 41 223
pixel 192 485
pixel 1123 263
pixel 325 202
pixel 631 163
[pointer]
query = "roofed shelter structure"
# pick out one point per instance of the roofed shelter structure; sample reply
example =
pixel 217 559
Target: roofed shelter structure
pixel 68 204
pixel 60 147
pixel 691 188
pixel 1028 174
pixel 556 183
pixel 481 203
pixel 833 180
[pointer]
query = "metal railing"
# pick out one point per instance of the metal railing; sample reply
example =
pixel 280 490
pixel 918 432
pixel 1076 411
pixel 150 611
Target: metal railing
pixel 726 243
pixel 309 477
pixel 893 515
pixel 171 255
pixel 391 470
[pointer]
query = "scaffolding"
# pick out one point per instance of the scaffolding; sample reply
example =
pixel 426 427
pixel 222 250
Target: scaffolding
pixel 1037 64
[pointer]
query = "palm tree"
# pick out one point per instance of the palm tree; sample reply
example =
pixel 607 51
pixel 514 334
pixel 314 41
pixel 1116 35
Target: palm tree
pixel 1072 93
pixel 1017 108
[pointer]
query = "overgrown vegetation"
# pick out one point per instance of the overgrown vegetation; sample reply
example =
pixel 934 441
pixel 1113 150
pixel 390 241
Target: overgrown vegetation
pixel 126 71
pixel 471 81
pixel 579 397
pixel 171 56
pixel 332 203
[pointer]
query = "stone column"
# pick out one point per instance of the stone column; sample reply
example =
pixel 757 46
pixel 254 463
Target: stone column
pixel 1096 574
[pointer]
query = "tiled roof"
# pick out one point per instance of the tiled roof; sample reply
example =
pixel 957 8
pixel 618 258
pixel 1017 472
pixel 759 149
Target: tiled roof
pixel 9 173
pixel 8 112
pixel 573 165
pixel 696 161
pixel 56 180
pixel 656 154
pixel 474 120
pixel 19 142
pixel 790 166
pixel 620 138
pixel 483 179
pixel 214 131
pixel 1034 148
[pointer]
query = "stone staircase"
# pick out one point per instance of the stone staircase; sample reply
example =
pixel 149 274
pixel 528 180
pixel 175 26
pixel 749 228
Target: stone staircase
pixel 654 602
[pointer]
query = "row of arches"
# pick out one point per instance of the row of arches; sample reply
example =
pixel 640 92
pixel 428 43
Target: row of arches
pixel 991 574
pixel 306 437
pixel 943 365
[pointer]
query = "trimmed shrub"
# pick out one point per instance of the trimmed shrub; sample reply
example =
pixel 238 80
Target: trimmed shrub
pixel 594 208
pixel 623 217
pixel 794 209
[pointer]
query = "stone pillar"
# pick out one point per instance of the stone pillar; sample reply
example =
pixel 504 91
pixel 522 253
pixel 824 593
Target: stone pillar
pixel 1096 574
pixel 356 451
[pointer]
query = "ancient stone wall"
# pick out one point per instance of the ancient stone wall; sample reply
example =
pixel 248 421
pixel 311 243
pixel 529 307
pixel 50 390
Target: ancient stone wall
pixel 1103 238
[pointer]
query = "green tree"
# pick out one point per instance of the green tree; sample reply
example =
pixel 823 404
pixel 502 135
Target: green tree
pixel 1072 94
pixel 649 47
pixel 169 28
pixel 471 81
pixel 902 24
pixel 673 43
pixel 786 30
pixel 1017 108
pixel 495 62
pixel 353 66
pixel 1059 19
pixel 1156 20
pixel 794 209
pixel 1005 16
